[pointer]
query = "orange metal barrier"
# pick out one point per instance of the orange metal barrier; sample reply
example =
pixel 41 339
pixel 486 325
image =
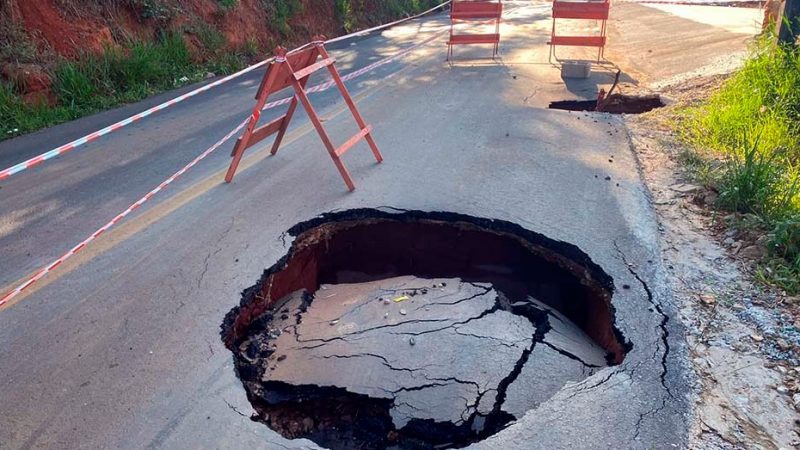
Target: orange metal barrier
pixel 581 10
pixel 294 70
pixel 472 11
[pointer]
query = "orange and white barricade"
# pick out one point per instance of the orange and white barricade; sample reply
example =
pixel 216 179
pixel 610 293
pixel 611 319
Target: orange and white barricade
pixel 580 10
pixel 475 11
pixel 293 69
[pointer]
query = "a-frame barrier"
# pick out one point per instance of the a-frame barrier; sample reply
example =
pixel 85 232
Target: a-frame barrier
pixel 293 69
pixel 476 11
pixel 580 10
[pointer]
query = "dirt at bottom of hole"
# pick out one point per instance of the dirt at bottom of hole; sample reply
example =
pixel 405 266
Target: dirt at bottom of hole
pixel 407 362
pixel 614 104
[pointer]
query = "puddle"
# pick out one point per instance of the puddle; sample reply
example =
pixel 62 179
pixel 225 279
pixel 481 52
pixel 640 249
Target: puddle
pixel 617 104
pixel 417 330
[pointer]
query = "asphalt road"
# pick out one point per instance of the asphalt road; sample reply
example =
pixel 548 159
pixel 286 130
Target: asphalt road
pixel 119 348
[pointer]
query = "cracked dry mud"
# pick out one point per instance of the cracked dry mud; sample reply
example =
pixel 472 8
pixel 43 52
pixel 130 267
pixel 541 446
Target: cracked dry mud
pixel 409 362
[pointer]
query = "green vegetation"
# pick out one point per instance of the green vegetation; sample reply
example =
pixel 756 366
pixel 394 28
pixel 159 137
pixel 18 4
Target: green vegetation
pixel 753 122
pixel 227 4
pixel 119 75
pixel 349 11
pixel 280 12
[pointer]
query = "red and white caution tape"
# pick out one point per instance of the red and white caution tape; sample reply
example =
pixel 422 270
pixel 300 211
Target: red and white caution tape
pixel 47 269
pixel 317 88
pixel 5 173
pixel 58 151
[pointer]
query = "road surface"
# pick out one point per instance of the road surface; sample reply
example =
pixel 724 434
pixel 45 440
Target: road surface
pixel 120 347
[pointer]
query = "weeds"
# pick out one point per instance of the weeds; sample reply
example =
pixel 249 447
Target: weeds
pixel 280 12
pixel 753 122
pixel 227 5
pixel 94 83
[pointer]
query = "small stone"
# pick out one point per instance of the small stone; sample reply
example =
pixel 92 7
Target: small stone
pixel 334 322
pixel 684 188
pixel 626 286
pixel 386 315
pixel 796 401
pixel 753 252
pixel 308 423
pixel 710 198
pixel 782 389
pixel 729 241
pixel 403 312
pixel 411 341
pixel 281 358
pixel 386 301
pixel 757 337
pixel 782 344
pixel 708 299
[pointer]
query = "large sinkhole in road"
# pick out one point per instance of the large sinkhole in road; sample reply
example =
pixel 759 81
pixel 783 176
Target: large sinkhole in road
pixel 416 330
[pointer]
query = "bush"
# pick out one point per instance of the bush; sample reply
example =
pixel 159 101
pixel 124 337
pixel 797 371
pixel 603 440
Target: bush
pixel 753 121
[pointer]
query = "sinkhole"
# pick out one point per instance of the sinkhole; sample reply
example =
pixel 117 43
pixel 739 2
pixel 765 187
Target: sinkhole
pixel 615 104
pixel 417 330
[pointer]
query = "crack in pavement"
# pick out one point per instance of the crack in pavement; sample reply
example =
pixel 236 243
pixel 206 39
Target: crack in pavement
pixel 664 339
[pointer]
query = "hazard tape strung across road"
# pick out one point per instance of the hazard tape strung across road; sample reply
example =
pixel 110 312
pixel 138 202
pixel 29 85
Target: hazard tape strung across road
pixel 45 270
pixel 317 88
pixel 58 151
pixel 5 173
pixel 721 3
pixel 329 84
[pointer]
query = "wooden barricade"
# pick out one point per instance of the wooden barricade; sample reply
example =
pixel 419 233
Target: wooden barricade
pixel 581 10
pixel 293 69
pixel 475 11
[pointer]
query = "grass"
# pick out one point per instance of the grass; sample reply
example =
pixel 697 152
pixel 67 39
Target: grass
pixel 94 83
pixel 349 11
pixel 752 123
pixel 280 12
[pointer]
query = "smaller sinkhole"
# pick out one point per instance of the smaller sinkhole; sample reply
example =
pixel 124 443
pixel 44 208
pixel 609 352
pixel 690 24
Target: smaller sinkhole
pixel 615 104
pixel 414 330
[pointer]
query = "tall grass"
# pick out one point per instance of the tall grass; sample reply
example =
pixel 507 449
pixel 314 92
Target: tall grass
pixel 753 122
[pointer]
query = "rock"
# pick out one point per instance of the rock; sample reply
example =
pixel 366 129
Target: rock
pixel 729 241
pixel 31 81
pixel 757 337
pixel 782 344
pixel 753 252
pixel 782 389
pixel 796 401
pixel 210 75
pixel 710 198
pixel 685 188
pixel 403 312
pixel 708 299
